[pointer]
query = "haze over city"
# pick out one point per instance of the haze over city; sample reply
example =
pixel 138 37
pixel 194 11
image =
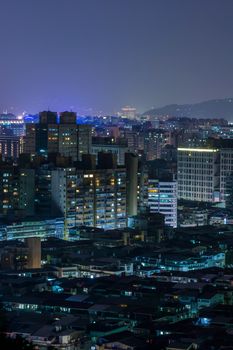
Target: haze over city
pixel 92 56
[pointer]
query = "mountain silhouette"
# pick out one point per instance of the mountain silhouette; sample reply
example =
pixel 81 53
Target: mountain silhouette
pixel 221 108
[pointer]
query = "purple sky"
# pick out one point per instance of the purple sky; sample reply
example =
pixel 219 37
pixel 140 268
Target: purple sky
pixel 103 54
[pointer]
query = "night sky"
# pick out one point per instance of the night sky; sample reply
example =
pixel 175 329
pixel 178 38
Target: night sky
pixel 103 54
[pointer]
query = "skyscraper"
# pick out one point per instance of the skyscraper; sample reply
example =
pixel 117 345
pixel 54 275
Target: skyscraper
pixel 64 137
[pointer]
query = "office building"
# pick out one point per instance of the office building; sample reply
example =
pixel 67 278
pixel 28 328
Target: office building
pixel 10 146
pixel 32 228
pixel 226 175
pixel 12 123
pixel 199 174
pixel 206 174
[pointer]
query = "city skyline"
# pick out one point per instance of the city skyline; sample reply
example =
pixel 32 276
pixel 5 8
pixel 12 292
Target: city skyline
pixel 116 174
pixel 99 56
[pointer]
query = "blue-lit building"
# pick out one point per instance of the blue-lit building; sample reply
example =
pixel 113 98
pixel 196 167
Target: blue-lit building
pixel 33 228
pixel 15 124
pixel 162 198
pixel 174 262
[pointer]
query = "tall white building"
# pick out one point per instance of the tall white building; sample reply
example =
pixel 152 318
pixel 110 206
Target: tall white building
pixel 162 198
pixel 205 174
pixel 198 174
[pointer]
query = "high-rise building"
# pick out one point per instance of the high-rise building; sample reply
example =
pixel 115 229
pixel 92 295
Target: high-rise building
pixel 68 135
pixel 110 145
pixel 199 174
pixel 142 187
pixel 135 140
pixel 46 137
pixel 131 163
pixel 17 191
pixel 154 141
pixel 68 118
pixel 84 140
pixel 27 191
pixel 95 197
pixel 150 141
pixel 162 198
pixel 206 174
pixel 10 146
pixel 43 190
pixel 226 175
pixel 68 139
pixel 64 137
pixel 12 123
pixel 42 138
pixel 29 142
pixel 74 140
pixel 48 117
pixel 9 189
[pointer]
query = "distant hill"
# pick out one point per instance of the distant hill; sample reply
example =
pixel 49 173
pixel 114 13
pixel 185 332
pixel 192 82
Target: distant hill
pixel 222 108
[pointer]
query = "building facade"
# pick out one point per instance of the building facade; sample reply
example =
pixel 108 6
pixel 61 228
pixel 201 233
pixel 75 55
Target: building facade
pixel 205 174
pixel 162 198
pixel 17 191
pixel 198 174
pixel 54 135
pixel 90 197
